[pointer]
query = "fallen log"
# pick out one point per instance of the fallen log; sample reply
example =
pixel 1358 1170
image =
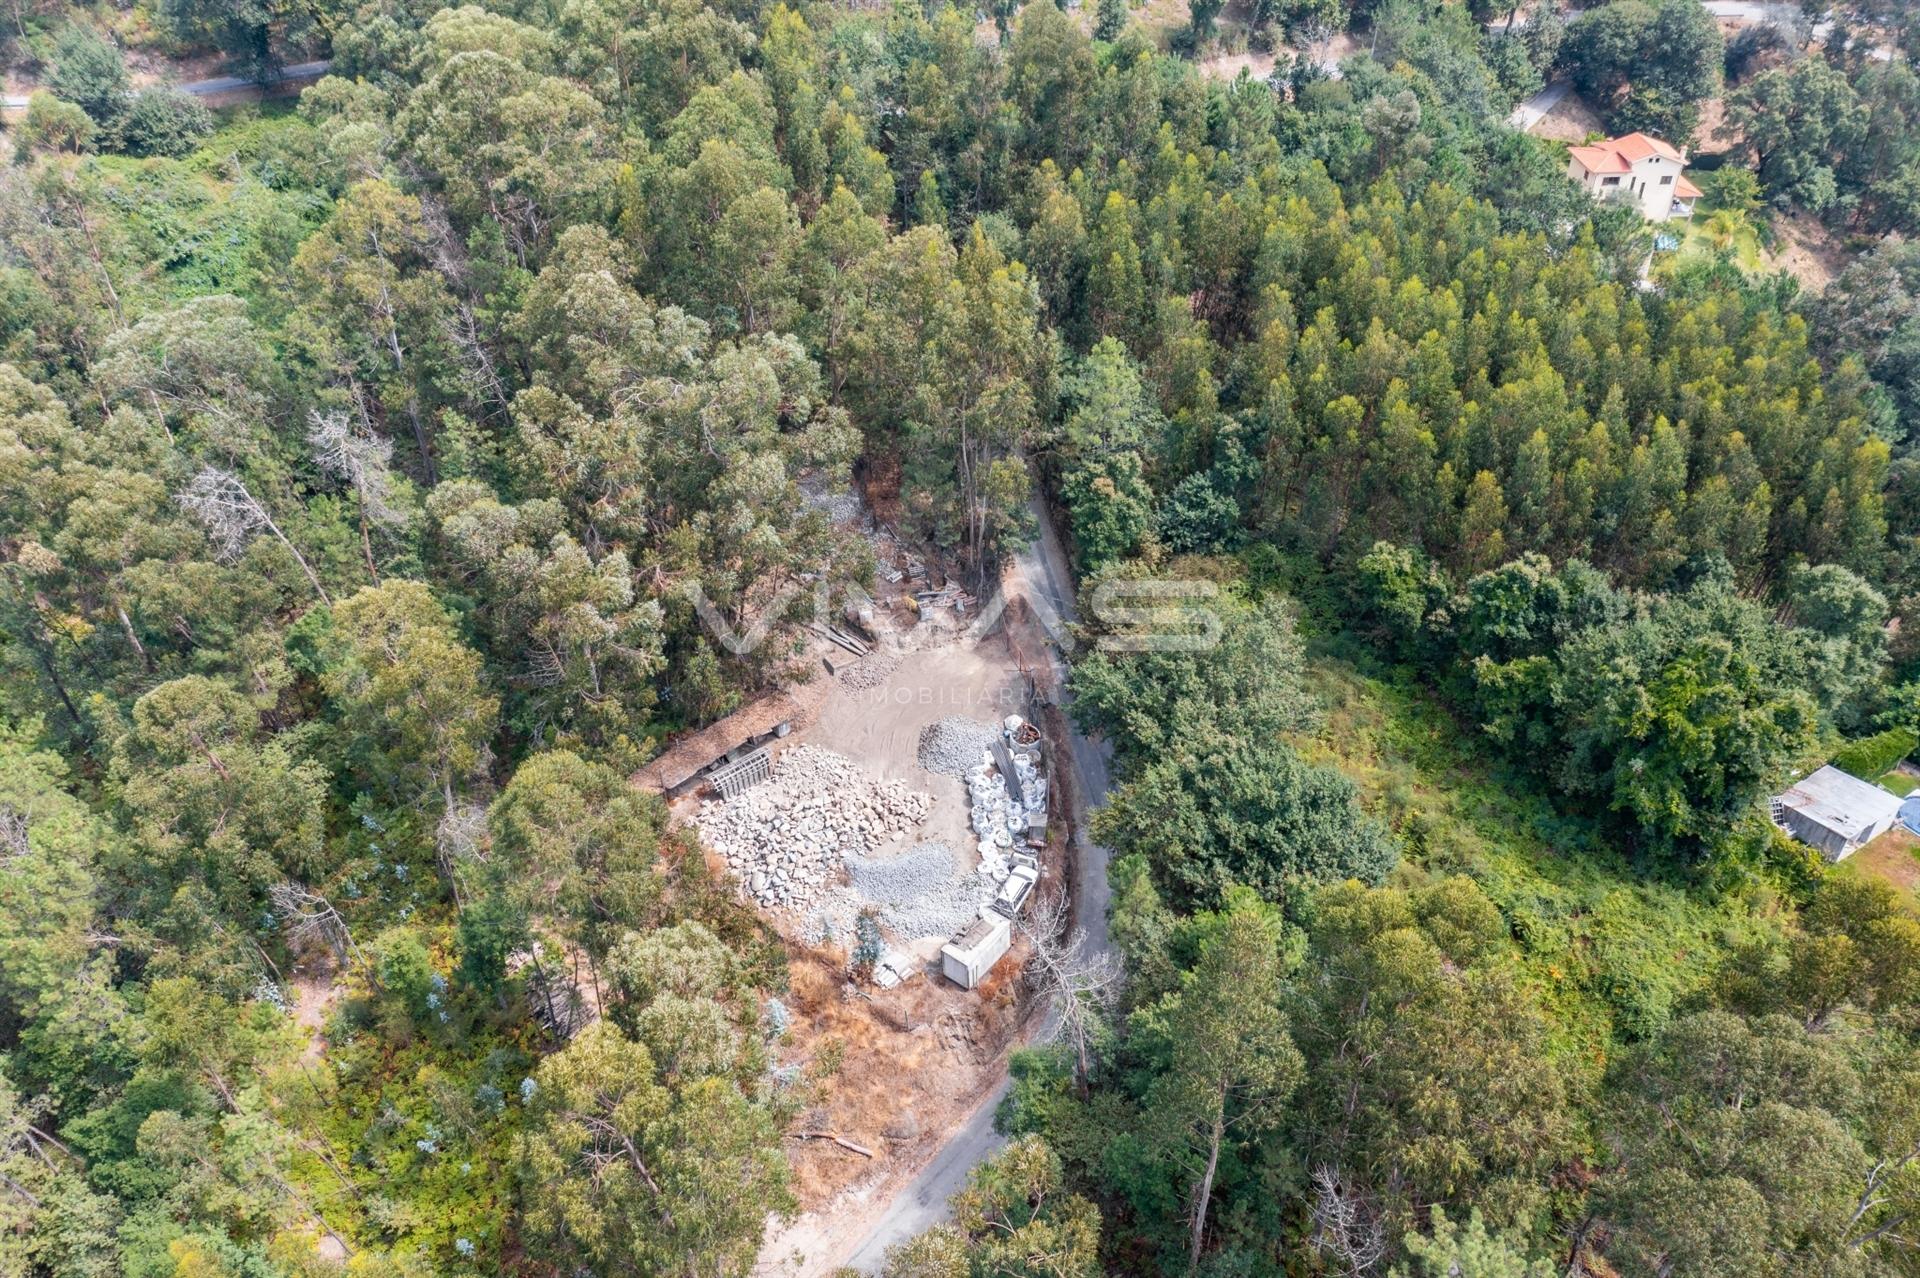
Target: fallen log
pixel 836 1138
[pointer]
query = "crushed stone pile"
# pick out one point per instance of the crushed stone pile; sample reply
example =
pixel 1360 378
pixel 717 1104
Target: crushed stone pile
pixel 899 880
pixel 955 745
pixel 840 504
pixel 872 671
pixel 786 838
pixel 922 892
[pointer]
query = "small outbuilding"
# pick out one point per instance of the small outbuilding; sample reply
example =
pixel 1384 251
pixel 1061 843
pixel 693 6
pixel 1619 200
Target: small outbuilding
pixel 1834 812
pixel 725 741
pixel 968 957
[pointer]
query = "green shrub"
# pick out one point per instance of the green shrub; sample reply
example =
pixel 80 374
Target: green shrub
pixel 89 71
pixel 52 125
pixel 164 121
pixel 1870 756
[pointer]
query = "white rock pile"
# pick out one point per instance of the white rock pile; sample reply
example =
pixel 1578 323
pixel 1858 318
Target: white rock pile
pixel 787 838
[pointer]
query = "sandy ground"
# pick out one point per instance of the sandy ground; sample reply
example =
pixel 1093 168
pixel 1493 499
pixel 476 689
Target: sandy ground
pixel 1229 65
pixel 1571 120
pixel 879 728
pixel 314 988
pixel 1226 66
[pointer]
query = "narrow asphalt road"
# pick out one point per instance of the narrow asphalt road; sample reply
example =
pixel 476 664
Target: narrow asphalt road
pixel 1040 572
pixel 298 71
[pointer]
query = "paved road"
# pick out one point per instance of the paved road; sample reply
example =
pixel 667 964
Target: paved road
pixel 1048 581
pixel 1535 108
pixel 1749 12
pixel 299 71
pixel 1041 572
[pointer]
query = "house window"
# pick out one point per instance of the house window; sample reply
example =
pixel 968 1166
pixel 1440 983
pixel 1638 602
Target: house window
pixel 1609 181
pixel 1667 180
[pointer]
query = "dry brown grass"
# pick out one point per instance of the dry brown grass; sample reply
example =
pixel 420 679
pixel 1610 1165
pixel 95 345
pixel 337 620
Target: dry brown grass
pixel 1893 857
pixel 1807 250
pixel 912 1062
pixel 1706 135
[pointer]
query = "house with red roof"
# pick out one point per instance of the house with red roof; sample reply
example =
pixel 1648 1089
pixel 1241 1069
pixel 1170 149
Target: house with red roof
pixel 1644 171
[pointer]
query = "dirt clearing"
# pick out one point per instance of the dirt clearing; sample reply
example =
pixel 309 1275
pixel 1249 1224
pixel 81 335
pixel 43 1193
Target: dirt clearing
pixel 1807 250
pixel 1571 120
pixel 891 1070
pixel 1893 857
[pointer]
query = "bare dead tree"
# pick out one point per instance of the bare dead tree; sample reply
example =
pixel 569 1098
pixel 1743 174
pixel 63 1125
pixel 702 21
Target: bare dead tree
pixel 461 327
pixel 311 919
pixel 13 832
pixel 23 1130
pixel 1080 982
pixel 460 839
pixel 1346 1230
pixel 364 462
pixel 553 995
pixel 231 514
pixel 354 454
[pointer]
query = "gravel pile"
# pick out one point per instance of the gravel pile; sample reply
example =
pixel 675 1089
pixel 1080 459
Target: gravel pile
pixel 840 504
pixel 899 880
pixel 874 669
pixel 841 508
pixel 953 746
pixel 785 838
pixel 922 892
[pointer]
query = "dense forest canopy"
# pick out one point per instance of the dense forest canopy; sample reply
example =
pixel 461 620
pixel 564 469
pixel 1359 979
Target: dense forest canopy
pixel 380 475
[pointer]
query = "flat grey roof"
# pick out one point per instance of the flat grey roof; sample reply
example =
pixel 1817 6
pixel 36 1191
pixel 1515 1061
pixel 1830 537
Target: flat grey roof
pixel 979 933
pixel 1840 801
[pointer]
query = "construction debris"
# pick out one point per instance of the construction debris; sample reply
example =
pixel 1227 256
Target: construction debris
pixel 894 967
pixel 786 839
pixel 841 638
pixel 1003 804
pixel 945 597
